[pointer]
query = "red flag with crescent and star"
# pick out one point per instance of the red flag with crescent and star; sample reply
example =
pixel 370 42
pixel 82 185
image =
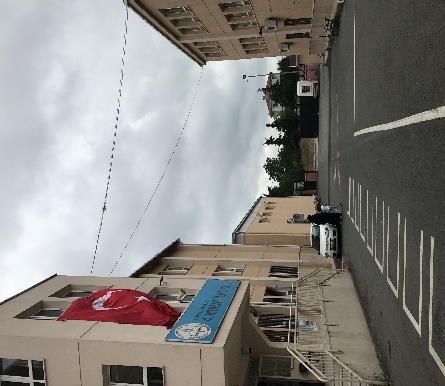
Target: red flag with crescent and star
pixel 123 306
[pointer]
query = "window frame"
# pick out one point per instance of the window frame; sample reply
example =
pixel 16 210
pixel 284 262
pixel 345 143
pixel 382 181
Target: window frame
pixel 290 22
pixel 145 371
pixel 30 380
pixel 178 269
pixel 284 271
pixel 178 297
pixel 229 5
pixel 172 12
pixel 228 271
pixel 44 317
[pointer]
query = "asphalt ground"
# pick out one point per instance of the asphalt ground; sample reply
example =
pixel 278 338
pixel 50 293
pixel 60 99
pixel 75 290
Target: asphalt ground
pixel 391 183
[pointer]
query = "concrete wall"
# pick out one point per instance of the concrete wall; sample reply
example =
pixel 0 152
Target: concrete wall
pixel 221 29
pixel 268 225
pixel 74 352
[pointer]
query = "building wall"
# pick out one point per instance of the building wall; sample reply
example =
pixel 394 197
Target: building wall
pixel 212 21
pixel 268 223
pixel 74 352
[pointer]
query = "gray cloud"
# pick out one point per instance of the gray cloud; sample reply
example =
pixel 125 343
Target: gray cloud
pixel 59 77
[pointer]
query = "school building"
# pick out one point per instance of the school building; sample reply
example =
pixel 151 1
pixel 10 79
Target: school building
pixel 252 315
pixel 214 30
pixel 276 221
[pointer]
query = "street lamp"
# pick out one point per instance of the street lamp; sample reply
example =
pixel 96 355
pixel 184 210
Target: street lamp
pixel 270 73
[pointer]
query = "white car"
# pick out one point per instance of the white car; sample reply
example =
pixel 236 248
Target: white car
pixel 324 238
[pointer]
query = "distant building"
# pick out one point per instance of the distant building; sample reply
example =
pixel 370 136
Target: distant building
pixel 276 221
pixel 251 315
pixel 212 30
pixel 273 108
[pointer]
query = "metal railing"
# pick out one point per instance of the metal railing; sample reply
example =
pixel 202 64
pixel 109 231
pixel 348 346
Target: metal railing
pixel 311 348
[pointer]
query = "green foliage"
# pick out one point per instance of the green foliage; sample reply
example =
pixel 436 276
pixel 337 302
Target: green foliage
pixel 286 168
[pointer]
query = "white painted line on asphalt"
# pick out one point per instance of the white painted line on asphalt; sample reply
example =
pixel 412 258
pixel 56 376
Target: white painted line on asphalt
pixel 367 219
pixel 371 247
pixel 394 288
pixel 336 100
pixel 417 324
pixel 382 264
pixel 429 115
pixel 387 234
pixel 432 351
pixel 356 207
pixel 354 63
pixel 353 201
pixel 361 233
pixel 349 198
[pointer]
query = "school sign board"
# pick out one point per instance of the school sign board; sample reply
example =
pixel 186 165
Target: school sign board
pixel 200 322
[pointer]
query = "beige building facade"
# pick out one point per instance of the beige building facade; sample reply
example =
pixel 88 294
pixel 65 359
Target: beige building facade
pixel 293 319
pixel 213 30
pixel 276 221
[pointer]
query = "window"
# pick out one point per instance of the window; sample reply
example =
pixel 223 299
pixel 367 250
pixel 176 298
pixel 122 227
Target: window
pixel 133 375
pixel 206 44
pixel 297 218
pixel 277 299
pixel 180 296
pixel 280 291
pixel 243 25
pixel 214 54
pixel 275 320
pixel 269 207
pixel 228 271
pixel 176 11
pixel 242 20
pixel 186 22
pixel 298 35
pixel 176 270
pixel 77 291
pixel 210 49
pixel 192 29
pixel 267 214
pixel 47 314
pixel 278 336
pixel 253 45
pixel 234 4
pixel 78 294
pixel 300 21
pixel 283 271
pixel 21 371
pixel 238 15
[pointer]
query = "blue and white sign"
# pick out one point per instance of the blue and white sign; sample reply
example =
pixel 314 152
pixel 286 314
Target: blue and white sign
pixel 200 322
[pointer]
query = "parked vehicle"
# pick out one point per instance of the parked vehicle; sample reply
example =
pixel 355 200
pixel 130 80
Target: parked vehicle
pixel 307 88
pixel 328 241
pixel 325 239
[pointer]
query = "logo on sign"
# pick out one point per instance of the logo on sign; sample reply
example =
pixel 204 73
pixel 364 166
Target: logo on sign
pixel 193 331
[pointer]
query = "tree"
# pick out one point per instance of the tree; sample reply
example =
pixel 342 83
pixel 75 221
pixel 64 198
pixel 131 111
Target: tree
pixel 274 168
pixel 274 141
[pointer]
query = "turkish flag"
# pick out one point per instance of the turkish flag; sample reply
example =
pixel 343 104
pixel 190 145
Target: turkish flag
pixel 121 306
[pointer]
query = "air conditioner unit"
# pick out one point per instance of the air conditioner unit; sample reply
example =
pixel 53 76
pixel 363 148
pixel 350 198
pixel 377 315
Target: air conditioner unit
pixel 271 25
pixel 284 47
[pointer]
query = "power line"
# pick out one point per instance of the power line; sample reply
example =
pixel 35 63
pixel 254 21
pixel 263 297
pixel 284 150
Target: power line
pixel 104 206
pixel 175 147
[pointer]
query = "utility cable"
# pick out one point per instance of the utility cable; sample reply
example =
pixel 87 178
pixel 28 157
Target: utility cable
pixel 175 147
pixel 116 124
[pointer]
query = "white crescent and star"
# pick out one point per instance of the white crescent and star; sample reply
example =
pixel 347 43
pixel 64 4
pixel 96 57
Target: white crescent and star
pixel 99 303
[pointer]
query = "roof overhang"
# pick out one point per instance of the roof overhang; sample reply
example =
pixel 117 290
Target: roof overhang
pixel 154 261
pixel 138 7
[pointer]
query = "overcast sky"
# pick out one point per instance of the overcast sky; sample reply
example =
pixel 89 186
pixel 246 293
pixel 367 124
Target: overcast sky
pixel 59 74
